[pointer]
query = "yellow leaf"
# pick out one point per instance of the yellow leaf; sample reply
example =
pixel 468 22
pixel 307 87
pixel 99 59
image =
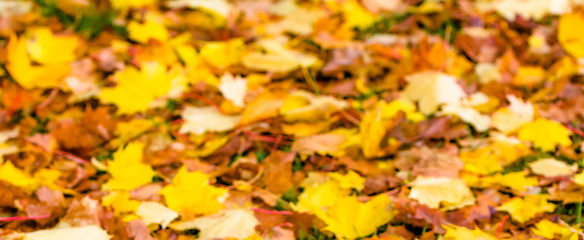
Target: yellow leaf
pixel 351 180
pixel 150 29
pixel 372 130
pixel 277 58
pixel 545 134
pixel 509 119
pixel 302 129
pixel 120 202
pixel 210 146
pixel 128 130
pixel 226 224
pixel 550 167
pixel 529 76
pixel 49 49
pixel 451 193
pixel 126 4
pixel 432 89
pixel 127 170
pixel 454 232
pixel 547 229
pixel 265 105
pixel 389 110
pixel 572 41
pixel 304 106
pixel 51 74
pixel 481 161
pixel 356 16
pixel 153 212
pixel 579 178
pixel 91 232
pixel 515 180
pixel 191 194
pixel 199 120
pixel 524 209
pixel 223 54
pixel 315 198
pixel 15 176
pixel 137 89
pixel 349 218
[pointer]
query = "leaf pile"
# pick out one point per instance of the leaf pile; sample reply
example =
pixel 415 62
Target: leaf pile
pixel 291 119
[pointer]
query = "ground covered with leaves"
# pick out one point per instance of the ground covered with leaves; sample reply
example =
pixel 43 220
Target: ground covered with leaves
pixel 291 119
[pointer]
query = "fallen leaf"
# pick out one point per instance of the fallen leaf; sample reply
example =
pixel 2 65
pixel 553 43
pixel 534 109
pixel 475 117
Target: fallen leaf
pixel 277 58
pixel 92 232
pixel 233 88
pixel 199 120
pixel 571 40
pixel 433 89
pixel 524 209
pixel 450 193
pixel 153 212
pixel 454 232
pixel 229 223
pixel 550 167
pixel 190 193
pixel 349 218
pixel 545 134
pixel 127 170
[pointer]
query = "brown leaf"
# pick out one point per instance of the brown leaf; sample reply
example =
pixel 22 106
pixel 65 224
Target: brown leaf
pixel 83 212
pixel 429 162
pixel 278 173
pixel 322 143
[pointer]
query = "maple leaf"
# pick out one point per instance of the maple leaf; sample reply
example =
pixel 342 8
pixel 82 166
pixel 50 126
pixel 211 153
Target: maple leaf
pixel 223 54
pixel 17 177
pixel 265 105
pixel 510 118
pixel 153 212
pixel 452 193
pixel 233 88
pixel 136 89
pixel 547 229
pixel 545 134
pixel 550 167
pixel 53 52
pixel 121 203
pixel 229 223
pixel 351 180
pixel 524 209
pixel 191 194
pixel 92 232
pixel 571 40
pixel 304 106
pixel 432 89
pixel 349 218
pixel 277 58
pixel 454 232
pixel 126 4
pixel 220 7
pixel 150 29
pixel 199 120
pixel 127 170
pixel 515 180
pixel 320 143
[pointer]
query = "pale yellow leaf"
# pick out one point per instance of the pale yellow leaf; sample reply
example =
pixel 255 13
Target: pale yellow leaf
pixel 153 212
pixel 231 223
pixel 450 193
